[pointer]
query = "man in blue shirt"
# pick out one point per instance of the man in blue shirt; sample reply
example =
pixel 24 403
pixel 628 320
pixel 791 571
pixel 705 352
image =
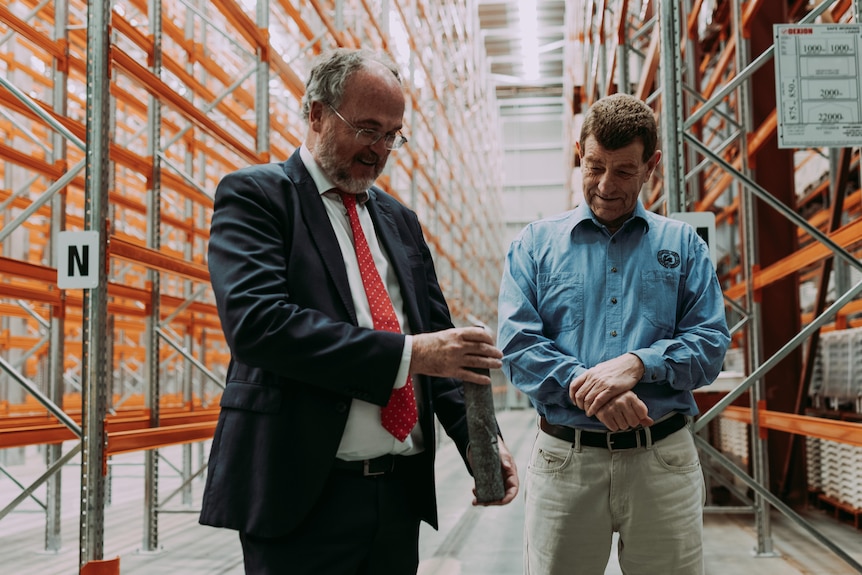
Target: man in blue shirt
pixel 609 317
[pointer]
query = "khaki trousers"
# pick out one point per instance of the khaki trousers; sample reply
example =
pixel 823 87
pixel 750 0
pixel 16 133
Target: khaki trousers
pixel 577 497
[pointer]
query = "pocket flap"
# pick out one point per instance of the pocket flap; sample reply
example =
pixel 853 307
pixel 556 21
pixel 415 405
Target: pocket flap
pixel 252 397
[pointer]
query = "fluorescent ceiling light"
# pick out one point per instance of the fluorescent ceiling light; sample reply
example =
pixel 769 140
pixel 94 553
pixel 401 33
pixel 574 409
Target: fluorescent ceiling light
pixel 528 23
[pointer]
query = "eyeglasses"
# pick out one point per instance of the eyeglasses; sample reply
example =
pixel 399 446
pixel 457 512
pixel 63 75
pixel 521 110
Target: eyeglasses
pixel 368 137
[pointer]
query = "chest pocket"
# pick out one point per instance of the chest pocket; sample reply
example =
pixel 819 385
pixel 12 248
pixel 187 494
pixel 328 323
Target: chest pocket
pixel 659 297
pixel 561 301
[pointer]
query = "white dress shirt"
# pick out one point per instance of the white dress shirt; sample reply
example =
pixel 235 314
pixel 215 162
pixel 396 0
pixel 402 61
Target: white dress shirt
pixel 364 436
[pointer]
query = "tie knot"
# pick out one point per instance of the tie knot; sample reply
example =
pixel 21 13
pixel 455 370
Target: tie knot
pixel 349 200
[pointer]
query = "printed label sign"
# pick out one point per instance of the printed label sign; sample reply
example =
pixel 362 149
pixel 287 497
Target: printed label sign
pixel 818 80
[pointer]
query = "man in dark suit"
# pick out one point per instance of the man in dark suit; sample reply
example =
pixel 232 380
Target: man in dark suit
pixel 306 461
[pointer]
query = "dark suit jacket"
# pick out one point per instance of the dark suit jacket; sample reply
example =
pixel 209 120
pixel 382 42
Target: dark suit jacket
pixel 298 357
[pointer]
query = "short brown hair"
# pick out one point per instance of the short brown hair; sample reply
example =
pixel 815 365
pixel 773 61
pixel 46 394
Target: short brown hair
pixel 618 120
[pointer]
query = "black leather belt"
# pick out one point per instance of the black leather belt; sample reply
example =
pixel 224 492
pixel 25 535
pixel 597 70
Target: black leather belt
pixel 383 465
pixel 615 440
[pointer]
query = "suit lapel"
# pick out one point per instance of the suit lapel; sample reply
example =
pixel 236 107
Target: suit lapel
pixel 323 237
pixel 392 241
pixel 320 230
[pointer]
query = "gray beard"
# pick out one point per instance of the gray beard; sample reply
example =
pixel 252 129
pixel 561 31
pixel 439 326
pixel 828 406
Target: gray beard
pixel 338 171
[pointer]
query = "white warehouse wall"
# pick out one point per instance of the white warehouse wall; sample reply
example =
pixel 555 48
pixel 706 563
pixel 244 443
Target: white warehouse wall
pixel 534 165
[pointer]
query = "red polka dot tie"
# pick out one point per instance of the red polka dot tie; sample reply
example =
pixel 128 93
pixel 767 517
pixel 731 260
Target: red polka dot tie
pixel 399 416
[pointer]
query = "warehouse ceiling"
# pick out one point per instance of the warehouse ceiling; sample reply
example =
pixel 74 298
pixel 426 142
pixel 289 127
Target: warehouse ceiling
pixel 524 42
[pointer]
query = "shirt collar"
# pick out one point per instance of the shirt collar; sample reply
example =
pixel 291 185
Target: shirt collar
pixel 583 213
pixel 324 185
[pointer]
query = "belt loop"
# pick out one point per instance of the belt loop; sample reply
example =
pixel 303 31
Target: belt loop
pixel 577 444
pixel 647 436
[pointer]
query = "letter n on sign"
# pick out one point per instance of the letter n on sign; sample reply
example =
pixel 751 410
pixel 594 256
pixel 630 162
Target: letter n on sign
pixel 78 260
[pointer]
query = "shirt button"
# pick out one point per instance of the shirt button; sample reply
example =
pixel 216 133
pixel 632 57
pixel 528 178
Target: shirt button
pixel 613 300
pixel 614 270
pixel 614 333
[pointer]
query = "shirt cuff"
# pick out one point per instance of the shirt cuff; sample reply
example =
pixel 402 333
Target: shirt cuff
pixel 575 373
pixel 404 368
pixel 654 367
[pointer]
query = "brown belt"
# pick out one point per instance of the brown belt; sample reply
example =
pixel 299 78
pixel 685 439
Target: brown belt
pixel 615 440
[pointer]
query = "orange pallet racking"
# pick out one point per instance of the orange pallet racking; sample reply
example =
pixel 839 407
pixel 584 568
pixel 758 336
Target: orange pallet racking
pixel 121 117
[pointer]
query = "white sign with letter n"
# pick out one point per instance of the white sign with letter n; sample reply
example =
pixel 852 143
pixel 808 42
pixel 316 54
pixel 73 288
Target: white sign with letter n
pixel 78 260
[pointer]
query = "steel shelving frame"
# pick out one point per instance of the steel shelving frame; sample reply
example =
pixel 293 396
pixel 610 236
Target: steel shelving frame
pixel 121 117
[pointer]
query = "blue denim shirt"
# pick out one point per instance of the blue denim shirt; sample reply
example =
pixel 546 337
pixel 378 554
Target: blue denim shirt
pixel 573 295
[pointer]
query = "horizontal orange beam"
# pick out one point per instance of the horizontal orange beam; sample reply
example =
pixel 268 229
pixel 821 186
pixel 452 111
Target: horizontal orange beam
pixel 11 421
pixel 10 101
pixel 56 48
pixel 170 97
pixel 199 55
pixel 157 260
pixel 128 433
pixel 256 37
pixel 300 22
pixel 32 294
pixel 829 429
pixel 796 261
pixel 26 270
pixel 154 438
pixel 762 135
pixel 118 248
pixel 35 435
pixel 293 82
pixel 101 567
pixel 124 157
pixel 26 160
pixel 851 308
pixel 324 13
pixel 130 408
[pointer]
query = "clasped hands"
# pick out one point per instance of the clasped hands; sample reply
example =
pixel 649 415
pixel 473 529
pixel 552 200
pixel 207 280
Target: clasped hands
pixel 605 391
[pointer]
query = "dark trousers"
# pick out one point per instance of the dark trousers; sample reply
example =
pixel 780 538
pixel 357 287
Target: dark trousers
pixel 360 526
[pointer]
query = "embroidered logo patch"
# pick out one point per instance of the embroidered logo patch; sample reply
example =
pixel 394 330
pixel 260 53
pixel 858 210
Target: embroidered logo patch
pixel 668 258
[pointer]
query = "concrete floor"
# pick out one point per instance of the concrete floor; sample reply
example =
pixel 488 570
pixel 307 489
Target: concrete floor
pixel 471 540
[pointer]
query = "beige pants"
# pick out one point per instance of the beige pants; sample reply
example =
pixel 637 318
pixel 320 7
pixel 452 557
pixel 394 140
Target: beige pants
pixel 577 497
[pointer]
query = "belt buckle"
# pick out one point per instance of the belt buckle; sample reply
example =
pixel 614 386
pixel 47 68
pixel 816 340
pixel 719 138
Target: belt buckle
pixel 610 439
pixel 367 472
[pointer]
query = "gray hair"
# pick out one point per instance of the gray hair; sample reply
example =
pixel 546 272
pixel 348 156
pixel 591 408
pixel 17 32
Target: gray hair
pixel 331 70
